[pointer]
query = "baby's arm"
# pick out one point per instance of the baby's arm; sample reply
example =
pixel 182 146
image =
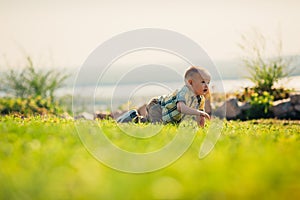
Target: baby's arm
pixel 184 109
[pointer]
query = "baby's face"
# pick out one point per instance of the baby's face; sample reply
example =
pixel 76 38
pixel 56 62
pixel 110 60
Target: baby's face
pixel 200 83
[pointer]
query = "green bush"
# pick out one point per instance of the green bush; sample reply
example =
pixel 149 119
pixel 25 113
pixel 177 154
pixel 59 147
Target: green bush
pixel 265 70
pixel 29 106
pixel 261 101
pixel 31 82
pixel 260 105
pixel 277 93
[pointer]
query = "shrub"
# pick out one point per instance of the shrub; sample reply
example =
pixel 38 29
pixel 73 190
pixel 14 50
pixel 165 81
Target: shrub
pixel 276 93
pixel 28 106
pixel 264 70
pixel 31 82
pixel 260 104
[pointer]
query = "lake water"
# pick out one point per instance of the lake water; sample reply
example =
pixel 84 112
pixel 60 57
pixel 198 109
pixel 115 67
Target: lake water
pixel 113 96
pixel 150 89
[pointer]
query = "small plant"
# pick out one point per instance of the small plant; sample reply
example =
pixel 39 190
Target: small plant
pixel 261 103
pixel 277 93
pixel 32 83
pixel 265 70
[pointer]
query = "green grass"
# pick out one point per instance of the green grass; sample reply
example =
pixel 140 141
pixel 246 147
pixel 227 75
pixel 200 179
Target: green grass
pixel 43 158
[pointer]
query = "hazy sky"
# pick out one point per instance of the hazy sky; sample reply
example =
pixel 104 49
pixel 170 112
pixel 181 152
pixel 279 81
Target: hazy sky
pixel 63 33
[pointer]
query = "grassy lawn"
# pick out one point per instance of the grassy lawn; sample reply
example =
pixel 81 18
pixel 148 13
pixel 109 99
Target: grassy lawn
pixel 43 158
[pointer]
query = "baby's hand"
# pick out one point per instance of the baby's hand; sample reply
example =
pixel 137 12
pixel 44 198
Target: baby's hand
pixel 200 121
pixel 203 114
pixel 201 118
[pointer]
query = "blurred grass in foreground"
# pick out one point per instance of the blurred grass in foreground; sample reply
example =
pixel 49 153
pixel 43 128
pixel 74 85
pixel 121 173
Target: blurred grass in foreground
pixel 43 158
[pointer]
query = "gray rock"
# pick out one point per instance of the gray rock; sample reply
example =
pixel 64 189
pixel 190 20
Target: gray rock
pixel 230 109
pixel 276 103
pixel 295 98
pixel 297 107
pixel 282 108
pixel 85 115
pixel 244 106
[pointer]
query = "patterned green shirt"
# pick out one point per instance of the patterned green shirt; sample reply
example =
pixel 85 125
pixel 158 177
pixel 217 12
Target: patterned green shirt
pixel 170 114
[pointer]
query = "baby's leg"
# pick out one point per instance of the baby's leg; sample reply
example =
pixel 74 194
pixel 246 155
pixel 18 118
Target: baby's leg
pixel 154 111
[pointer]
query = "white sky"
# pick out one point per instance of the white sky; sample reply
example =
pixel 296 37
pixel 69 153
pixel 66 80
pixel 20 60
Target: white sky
pixel 64 32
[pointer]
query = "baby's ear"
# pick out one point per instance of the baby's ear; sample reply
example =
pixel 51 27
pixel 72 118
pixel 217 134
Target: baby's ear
pixel 190 81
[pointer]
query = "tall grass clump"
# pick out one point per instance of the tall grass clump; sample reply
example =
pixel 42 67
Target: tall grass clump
pixel 265 70
pixel 31 82
pixel 30 90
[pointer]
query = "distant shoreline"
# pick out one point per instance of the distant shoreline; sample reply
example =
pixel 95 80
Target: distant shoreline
pixel 112 97
pixel 226 85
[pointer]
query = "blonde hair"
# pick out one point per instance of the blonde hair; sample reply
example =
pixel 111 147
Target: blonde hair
pixel 194 70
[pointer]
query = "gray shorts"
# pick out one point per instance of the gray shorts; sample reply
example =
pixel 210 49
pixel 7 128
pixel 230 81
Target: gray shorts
pixel 154 111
